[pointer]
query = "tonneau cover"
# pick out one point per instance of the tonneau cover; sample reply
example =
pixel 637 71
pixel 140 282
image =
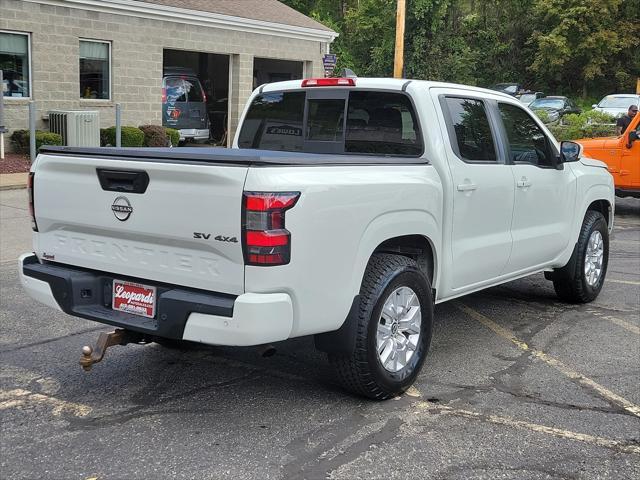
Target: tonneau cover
pixel 219 155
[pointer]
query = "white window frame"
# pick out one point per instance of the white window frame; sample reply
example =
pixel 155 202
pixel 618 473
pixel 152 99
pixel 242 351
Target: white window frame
pixel 29 61
pixel 94 100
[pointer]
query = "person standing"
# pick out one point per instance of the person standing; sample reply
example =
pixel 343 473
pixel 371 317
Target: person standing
pixel 624 121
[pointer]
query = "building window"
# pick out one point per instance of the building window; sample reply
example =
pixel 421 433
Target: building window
pixel 14 63
pixel 95 70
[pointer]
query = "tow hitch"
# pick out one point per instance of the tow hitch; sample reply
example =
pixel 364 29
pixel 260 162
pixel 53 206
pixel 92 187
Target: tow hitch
pixel 107 339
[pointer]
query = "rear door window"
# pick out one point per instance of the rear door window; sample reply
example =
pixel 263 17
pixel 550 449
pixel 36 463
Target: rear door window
pixel 194 90
pixel 377 123
pixel 470 130
pixel 175 89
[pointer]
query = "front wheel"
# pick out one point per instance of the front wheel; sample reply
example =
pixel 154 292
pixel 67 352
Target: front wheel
pixel 394 326
pixel 581 280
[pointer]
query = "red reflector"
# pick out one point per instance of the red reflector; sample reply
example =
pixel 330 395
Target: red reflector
pixel 270 238
pixel 329 82
pixel 276 259
pixel 32 211
pixel 262 202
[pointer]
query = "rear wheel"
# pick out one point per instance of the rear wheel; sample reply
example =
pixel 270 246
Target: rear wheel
pixel 393 329
pixel 581 280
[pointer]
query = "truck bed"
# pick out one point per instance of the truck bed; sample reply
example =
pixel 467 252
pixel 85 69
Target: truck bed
pixel 220 155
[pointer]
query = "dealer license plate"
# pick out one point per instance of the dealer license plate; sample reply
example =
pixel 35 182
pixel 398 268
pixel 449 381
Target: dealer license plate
pixel 134 298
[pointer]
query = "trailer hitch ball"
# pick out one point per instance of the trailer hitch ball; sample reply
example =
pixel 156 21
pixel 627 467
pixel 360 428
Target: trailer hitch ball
pixel 105 340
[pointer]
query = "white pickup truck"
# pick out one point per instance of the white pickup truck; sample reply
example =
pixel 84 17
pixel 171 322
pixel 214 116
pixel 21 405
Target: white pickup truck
pixel 346 209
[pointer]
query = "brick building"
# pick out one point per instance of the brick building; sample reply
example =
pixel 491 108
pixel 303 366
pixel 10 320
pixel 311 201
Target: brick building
pixel 92 54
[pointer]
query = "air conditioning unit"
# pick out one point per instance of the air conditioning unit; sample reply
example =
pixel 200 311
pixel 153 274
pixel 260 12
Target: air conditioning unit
pixel 78 128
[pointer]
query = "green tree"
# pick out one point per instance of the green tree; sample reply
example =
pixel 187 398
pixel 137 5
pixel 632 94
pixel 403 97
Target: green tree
pixel 577 47
pixel 578 43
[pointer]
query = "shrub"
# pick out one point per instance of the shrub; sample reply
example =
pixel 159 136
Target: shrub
pixel 20 139
pixel 155 136
pixel 104 138
pixel 174 136
pixel 131 137
pixel 585 125
pixel 542 115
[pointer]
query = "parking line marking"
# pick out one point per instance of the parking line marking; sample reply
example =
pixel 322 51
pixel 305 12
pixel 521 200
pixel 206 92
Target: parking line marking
pixel 626 282
pixel 605 393
pixel 618 321
pixel 523 425
pixel 17 397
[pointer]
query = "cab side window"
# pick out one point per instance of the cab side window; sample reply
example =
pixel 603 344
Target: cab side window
pixel 527 141
pixel 469 130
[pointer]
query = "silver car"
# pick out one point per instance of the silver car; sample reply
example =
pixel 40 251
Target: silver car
pixel 617 105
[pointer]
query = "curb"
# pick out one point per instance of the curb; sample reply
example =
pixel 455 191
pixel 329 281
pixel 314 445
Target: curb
pixel 16 186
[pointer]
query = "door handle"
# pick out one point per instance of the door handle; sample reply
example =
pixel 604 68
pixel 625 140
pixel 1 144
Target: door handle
pixel 129 181
pixel 523 183
pixel 467 187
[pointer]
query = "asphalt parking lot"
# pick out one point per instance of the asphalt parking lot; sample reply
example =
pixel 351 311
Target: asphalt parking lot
pixel 516 385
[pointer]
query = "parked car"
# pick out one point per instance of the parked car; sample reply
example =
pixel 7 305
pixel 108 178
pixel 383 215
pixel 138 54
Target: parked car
pixel 184 104
pixel 555 107
pixel 526 98
pixel 622 156
pixel 346 209
pixel 509 88
pixel 617 105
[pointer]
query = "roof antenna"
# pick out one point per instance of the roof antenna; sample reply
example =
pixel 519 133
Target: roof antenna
pixel 348 73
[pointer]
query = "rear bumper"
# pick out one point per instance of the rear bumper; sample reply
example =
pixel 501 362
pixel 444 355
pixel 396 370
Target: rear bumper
pixel 194 134
pixel 181 313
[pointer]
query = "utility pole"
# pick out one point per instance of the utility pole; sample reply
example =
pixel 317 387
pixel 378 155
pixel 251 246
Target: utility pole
pixel 398 61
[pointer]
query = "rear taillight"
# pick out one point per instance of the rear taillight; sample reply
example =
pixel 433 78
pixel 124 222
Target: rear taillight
pixel 32 211
pixel 265 241
pixel 164 95
pixel 329 82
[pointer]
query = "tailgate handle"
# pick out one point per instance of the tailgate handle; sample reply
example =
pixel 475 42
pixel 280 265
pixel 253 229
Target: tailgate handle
pixel 129 181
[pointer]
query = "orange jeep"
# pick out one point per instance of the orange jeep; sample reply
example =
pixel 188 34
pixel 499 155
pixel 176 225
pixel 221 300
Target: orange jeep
pixel 622 155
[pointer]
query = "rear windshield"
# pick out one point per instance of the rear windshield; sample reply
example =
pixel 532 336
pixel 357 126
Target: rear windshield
pixel 618 102
pixel 179 89
pixel 376 123
pixel 547 103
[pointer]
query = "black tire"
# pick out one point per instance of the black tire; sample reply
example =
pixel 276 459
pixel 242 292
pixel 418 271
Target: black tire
pixel 362 372
pixel 570 282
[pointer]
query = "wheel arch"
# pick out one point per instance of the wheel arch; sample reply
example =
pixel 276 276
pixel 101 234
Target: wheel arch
pixel 604 207
pixel 409 233
pixel 598 198
pixel 417 247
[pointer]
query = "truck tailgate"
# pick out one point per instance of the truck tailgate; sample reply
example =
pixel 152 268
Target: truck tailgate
pixel 166 233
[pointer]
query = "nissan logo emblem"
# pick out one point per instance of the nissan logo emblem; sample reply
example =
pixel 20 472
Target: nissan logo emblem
pixel 121 208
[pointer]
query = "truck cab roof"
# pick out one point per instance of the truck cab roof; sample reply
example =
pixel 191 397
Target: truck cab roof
pixel 398 84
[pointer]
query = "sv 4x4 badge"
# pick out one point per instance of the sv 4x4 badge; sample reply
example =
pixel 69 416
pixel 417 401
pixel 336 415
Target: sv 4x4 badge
pixel 220 238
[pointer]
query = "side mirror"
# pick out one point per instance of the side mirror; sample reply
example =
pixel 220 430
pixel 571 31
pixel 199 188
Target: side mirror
pixel 594 105
pixel 570 151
